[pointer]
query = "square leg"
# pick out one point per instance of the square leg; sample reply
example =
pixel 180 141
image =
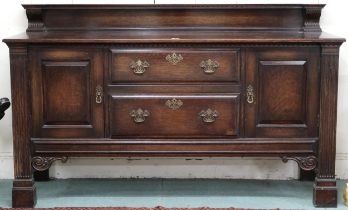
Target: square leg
pixel 325 193
pixel 23 194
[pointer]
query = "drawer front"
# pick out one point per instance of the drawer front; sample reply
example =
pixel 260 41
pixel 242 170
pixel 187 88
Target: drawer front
pixel 174 116
pixel 153 65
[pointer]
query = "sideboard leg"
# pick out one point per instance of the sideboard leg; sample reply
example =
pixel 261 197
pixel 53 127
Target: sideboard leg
pixel 23 191
pixel 325 193
pixel 42 176
pixel 324 189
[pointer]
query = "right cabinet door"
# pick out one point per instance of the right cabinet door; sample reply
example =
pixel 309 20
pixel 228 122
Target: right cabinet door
pixel 282 92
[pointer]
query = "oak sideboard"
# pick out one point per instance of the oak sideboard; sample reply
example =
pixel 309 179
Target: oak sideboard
pixel 174 80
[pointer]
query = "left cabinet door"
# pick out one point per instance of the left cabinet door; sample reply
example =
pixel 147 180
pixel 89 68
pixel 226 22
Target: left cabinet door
pixel 67 92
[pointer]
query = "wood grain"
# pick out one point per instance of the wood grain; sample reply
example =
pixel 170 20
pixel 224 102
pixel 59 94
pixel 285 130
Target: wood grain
pixel 325 190
pixel 75 92
pixel 23 191
pixel 186 70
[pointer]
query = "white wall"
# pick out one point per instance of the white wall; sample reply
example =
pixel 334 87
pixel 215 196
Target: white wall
pixel 13 21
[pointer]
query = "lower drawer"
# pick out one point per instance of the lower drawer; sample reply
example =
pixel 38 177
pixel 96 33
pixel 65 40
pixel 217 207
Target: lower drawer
pixel 174 116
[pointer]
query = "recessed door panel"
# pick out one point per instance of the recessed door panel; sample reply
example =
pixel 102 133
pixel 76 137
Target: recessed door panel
pixel 64 90
pixel 283 85
pixel 281 92
pixel 66 93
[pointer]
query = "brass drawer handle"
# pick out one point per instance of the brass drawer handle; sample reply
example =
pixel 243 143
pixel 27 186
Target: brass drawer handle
pixel 250 94
pixel 99 94
pixel 139 67
pixel 174 58
pixel 174 103
pixel 209 66
pixel 139 115
pixel 209 116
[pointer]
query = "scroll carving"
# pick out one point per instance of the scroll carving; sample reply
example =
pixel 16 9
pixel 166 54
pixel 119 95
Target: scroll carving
pixel 306 163
pixel 44 163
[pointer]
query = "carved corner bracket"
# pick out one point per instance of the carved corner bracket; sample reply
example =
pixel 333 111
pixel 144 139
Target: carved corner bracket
pixel 312 18
pixel 35 19
pixel 44 163
pixel 305 163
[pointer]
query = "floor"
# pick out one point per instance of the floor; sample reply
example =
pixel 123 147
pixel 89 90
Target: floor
pixel 261 194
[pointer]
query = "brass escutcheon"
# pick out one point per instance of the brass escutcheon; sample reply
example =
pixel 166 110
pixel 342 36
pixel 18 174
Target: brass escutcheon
pixel 174 58
pixel 250 94
pixel 99 94
pixel 174 103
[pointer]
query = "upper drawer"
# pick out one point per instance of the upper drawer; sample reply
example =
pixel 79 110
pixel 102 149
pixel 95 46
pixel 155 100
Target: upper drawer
pixel 175 65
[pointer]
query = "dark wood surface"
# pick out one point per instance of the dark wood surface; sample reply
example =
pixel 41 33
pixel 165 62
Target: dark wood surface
pixel 286 86
pixel 166 122
pixel 177 36
pixel 174 80
pixel 110 17
pixel 325 190
pixel 24 190
pixel 186 70
pixel 65 81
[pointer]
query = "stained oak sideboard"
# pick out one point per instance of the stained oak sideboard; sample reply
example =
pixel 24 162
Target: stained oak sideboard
pixel 174 80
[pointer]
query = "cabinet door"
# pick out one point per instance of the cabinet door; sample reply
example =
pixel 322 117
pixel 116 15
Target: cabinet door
pixel 67 91
pixel 281 92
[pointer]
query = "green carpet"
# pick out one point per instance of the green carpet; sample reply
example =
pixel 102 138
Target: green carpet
pixel 261 194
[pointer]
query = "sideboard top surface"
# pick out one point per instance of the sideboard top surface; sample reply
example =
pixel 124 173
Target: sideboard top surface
pixel 232 23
